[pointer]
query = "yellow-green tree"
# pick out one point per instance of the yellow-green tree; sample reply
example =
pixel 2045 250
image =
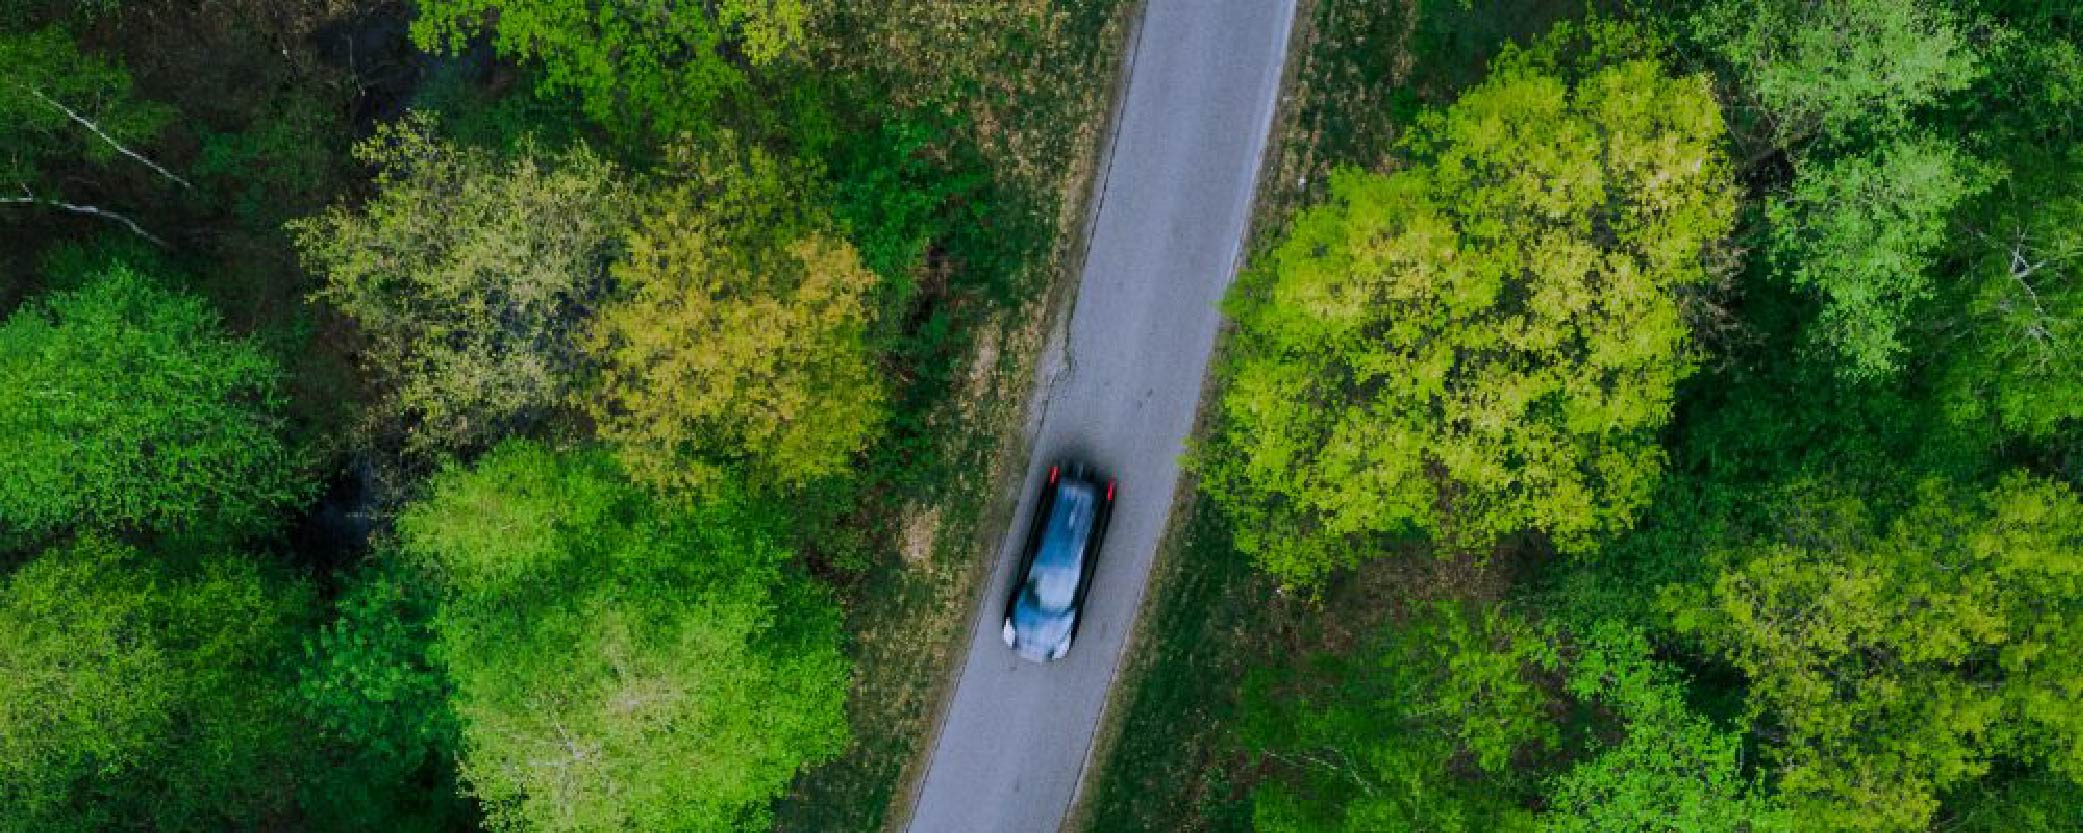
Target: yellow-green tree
pixel 146 692
pixel 469 274
pixel 1897 661
pixel 1485 342
pixel 739 336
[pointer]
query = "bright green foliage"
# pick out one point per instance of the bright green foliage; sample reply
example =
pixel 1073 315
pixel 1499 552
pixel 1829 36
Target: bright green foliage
pixel 469 274
pixel 83 702
pixel 503 522
pixel 2016 357
pixel 619 664
pixel 126 406
pixel 740 338
pixel 636 65
pixel 1372 746
pixel 1840 69
pixel 1862 232
pixel 42 74
pixel 1483 682
pixel 1486 342
pixel 134 695
pixel 1673 772
pixel 1895 663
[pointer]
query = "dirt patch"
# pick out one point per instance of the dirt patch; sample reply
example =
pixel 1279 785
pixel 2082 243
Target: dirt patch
pixel 983 364
pixel 921 526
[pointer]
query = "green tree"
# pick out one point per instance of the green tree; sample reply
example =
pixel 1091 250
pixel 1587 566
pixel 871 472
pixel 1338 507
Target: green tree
pixel 1894 662
pixel 2038 802
pixel 470 275
pixel 1673 771
pixel 371 680
pixel 2013 353
pixel 620 664
pixel 373 689
pixel 1840 70
pixel 1862 232
pixel 135 694
pixel 127 406
pixel 1485 342
pixel 1456 721
pixel 636 66
pixel 740 336
pixel 2034 75
pixel 1374 744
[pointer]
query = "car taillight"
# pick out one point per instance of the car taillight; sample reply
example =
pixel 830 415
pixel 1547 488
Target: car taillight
pixel 1110 490
pixel 1052 475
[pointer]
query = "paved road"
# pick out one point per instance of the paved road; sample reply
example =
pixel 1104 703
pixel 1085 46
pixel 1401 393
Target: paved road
pixel 1120 391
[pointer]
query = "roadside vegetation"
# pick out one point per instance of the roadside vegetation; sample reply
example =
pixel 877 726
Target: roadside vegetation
pixel 1665 420
pixel 525 415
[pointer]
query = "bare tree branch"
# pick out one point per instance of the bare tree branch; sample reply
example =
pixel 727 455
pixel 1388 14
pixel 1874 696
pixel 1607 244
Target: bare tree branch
pixel 111 140
pixel 1349 769
pixel 93 211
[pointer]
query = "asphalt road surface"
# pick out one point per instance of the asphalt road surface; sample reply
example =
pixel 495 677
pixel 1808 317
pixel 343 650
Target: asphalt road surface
pixel 1119 391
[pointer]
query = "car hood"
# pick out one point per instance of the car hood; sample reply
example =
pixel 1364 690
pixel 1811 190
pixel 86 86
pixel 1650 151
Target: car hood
pixel 1038 634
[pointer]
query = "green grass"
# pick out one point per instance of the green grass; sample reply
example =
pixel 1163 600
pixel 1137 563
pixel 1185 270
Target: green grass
pixel 1175 765
pixel 905 619
pixel 960 334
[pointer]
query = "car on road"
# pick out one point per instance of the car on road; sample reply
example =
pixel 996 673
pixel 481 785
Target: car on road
pixel 1056 565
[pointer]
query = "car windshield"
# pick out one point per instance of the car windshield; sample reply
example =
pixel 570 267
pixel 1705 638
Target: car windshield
pixel 1053 582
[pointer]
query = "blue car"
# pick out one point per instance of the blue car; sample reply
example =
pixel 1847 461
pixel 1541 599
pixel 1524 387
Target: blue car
pixel 1056 566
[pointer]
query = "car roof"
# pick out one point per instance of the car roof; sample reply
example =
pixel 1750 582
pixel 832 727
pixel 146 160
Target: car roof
pixel 1059 558
pixel 1069 525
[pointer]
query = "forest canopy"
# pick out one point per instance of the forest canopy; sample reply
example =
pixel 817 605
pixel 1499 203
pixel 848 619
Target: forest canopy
pixel 572 415
pixel 1716 362
pixel 468 274
pixel 449 415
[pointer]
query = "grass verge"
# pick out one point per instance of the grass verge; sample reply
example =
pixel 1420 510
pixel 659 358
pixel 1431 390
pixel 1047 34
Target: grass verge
pixel 909 609
pixel 1173 765
pixel 907 612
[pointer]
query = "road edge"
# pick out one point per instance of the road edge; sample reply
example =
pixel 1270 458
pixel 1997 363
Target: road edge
pixel 1134 662
pixel 1008 468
